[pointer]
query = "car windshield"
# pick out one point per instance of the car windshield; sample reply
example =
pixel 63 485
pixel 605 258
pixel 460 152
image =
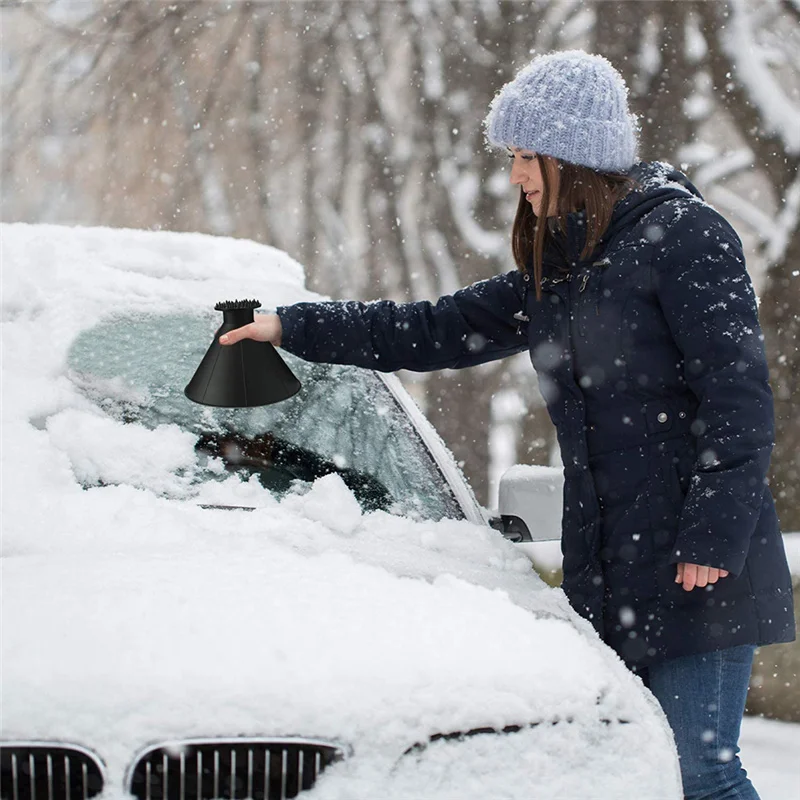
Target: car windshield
pixel 343 420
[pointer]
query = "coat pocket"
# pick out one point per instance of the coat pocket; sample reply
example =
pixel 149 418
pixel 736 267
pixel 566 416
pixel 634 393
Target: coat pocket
pixel 628 564
pixel 628 554
pixel 681 468
pixel 669 486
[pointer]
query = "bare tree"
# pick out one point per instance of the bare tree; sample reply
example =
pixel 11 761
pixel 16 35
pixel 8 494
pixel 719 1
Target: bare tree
pixel 651 50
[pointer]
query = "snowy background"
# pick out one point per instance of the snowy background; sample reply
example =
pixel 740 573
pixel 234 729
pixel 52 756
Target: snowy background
pixel 348 135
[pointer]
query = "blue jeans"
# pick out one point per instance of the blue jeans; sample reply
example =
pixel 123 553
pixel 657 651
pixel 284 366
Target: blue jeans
pixel 703 697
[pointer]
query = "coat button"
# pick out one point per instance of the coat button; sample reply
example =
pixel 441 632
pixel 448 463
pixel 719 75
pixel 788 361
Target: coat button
pixel 662 417
pixel 682 414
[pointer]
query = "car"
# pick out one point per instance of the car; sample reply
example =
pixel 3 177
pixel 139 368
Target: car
pixel 296 599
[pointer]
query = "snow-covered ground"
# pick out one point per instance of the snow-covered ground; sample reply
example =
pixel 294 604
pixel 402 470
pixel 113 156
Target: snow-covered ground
pixel 769 753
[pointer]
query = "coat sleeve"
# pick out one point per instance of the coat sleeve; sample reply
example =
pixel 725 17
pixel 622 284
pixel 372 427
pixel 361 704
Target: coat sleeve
pixel 470 327
pixel 708 301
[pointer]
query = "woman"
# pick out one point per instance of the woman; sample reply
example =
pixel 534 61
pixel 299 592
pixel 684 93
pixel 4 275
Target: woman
pixel 633 300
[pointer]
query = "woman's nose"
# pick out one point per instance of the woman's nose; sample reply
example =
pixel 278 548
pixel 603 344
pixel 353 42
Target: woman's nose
pixel 517 173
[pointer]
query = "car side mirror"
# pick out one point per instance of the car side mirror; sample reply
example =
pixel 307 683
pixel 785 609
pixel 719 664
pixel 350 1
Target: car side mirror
pixel 530 504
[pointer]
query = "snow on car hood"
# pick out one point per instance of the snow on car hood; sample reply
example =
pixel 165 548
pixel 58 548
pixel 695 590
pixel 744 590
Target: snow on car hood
pixel 135 619
pixel 129 618
pixel 159 618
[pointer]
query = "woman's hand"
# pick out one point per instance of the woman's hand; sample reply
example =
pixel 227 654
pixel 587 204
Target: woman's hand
pixel 265 328
pixel 691 575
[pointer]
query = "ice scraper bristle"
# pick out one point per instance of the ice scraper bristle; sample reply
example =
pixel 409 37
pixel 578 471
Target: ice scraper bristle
pixel 236 305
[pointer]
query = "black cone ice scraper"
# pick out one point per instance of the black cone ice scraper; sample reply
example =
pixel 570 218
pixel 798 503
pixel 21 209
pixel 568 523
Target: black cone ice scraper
pixel 244 374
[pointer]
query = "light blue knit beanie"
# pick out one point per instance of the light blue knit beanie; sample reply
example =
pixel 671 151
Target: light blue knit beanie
pixel 570 105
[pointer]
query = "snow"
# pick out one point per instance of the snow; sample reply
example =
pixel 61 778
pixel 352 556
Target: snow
pixel 129 454
pixel 463 195
pixel 133 615
pixel 779 113
pixel 720 166
pixel 769 751
pixel 786 224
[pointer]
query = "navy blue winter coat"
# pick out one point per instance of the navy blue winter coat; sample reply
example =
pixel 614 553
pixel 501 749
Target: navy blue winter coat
pixel 651 360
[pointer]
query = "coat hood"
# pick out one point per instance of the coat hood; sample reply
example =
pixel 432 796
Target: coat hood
pixel 654 183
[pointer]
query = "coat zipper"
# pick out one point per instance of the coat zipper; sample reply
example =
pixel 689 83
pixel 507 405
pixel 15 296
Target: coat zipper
pixel 521 316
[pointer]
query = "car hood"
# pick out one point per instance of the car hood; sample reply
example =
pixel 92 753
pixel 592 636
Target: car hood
pixel 166 620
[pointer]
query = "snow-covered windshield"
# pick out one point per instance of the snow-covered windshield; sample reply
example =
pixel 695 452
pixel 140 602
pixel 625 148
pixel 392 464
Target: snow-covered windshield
pixel 343 420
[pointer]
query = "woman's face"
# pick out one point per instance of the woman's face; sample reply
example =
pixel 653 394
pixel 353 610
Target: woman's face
pixel 525 173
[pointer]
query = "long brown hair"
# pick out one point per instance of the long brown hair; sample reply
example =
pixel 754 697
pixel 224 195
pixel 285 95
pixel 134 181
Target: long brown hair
pixel 579 189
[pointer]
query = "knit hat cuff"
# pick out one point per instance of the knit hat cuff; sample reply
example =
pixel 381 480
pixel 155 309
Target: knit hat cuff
pixel 607 146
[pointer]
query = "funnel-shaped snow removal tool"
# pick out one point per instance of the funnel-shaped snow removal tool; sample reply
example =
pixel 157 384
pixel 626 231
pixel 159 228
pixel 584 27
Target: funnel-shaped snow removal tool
pixel 244 374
